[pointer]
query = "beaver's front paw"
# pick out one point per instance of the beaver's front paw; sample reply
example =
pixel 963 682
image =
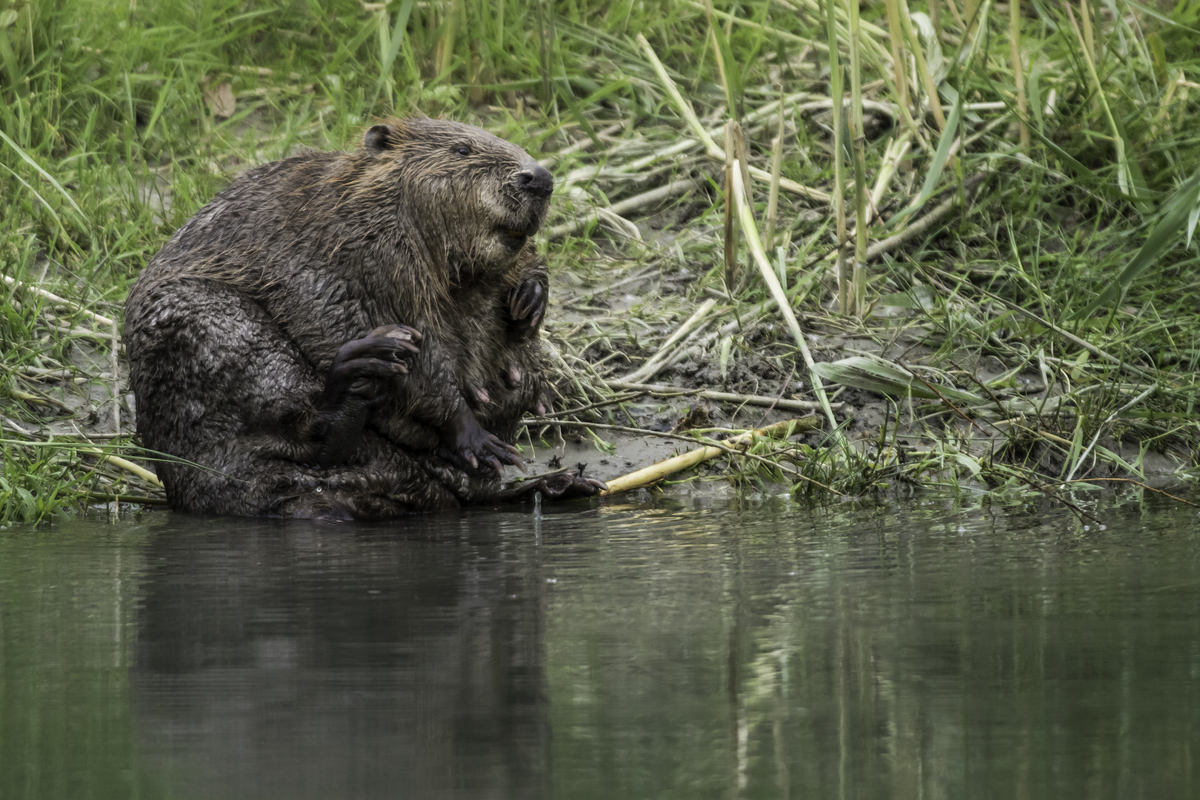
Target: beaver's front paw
pixel 569 484
pixel 362 367
pixel 527 304
pixel 468 445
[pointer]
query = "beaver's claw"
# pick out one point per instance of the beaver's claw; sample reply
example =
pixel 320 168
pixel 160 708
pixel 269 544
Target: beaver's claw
pixel 470 447
pixel 527 304
pixel 363 366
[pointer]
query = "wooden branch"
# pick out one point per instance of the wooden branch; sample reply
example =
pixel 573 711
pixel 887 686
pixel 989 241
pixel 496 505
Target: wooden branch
pixel 656 472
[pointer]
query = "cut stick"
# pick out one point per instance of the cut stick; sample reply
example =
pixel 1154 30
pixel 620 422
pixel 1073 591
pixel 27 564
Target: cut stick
pixel 730 233
pixel 895 152
pixel 128 466
pixel 656 472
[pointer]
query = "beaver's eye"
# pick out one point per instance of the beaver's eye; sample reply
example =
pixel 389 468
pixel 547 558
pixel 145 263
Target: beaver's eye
pixel 463 150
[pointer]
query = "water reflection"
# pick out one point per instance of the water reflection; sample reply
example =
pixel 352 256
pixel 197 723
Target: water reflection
pixel 641 650
pixel 930 653
pixel 295 660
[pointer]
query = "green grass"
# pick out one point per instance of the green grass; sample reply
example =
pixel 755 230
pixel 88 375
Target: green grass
pixel 110 142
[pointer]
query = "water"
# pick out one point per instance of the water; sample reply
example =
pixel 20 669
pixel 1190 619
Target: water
pixel 662 650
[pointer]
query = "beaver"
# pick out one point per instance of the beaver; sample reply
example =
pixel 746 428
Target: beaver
pixel 350 335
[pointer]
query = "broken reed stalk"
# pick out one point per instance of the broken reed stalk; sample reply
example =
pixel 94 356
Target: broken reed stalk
pixel 128 466
pixel 730 222
pixel 719 55
pixel 652 197
pixel 773 192
pixel 924 223
pixel 1014 34
pixel 769 277
pixel 900 73
pixel 636 167
pixel 1088 38
pixel 1124 176
pixel 954 12
pixel 114 351
pixel 681 105
pixel 446 42
pixel 858 139
pixel 892 156
pixel 656 472
pixel 844 277
pixel 736 157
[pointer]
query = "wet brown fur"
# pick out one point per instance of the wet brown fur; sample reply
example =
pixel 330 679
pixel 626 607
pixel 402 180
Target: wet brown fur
pixel 233 327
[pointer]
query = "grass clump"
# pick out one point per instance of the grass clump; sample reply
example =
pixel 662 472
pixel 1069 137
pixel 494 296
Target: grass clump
pixel 1017 190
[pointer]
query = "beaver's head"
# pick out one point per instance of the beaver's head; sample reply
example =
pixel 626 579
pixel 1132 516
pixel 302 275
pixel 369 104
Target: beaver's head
pixel 474 198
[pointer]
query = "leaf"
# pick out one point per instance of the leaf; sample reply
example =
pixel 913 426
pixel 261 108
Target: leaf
pixel 731 74
pixel 399 31
pixel 1114 458
pixel 220 99
pixel 970 463
pixel 936 166
pixel 1154 12
pixel 919 298
pixel 29 160
pixel 1191 223
pixel 1176 211
pixel 726 351
pixel 938 66
pixel 887 379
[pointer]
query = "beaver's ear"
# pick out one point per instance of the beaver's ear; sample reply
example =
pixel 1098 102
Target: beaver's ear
pixel 378 138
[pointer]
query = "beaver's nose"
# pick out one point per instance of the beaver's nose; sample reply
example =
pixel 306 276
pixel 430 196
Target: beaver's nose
pixel 536 180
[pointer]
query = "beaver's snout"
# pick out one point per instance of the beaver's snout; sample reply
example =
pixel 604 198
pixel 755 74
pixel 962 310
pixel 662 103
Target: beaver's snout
pixel 535 180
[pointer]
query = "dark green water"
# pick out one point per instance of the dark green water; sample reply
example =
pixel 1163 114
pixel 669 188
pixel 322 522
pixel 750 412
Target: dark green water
pixel 629 651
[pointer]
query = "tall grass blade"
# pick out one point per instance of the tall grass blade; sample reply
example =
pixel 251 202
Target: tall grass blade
pixel 731 74
pixel 1177 211
pixel 392 46
pixel 936 166
pixel 861 372
pixel 49 178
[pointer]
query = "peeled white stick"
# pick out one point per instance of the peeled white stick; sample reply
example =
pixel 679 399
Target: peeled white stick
pixel 656 472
